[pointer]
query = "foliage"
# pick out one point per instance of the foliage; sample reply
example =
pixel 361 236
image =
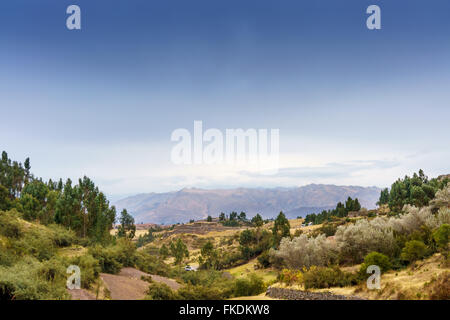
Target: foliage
pixel 114 258
pixel 417 190
pixel 442 235
pixel 355 241
pixel 290 277
pixel 341 211
pixel 160 291
pixel 377 259
pixel 89 267
pixel 209 258
pixel 127 227
pixel 414 250
pixel 257 220
pixel 30 279
pixel 281 229
pixel 250 286
pixel 305 252
pixel 178 250
pixel 326 277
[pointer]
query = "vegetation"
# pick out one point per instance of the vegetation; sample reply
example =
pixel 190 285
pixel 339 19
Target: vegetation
pixel 417 190
pixel 340 211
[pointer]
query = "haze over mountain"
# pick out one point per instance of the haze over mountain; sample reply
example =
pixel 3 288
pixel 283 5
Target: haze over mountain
pixel 193 203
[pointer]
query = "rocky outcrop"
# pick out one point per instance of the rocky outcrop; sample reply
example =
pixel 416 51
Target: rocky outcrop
pixel 291 294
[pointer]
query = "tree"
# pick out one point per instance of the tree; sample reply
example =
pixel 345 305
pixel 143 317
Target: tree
pixel 222 217
pixel 441 236
pixel 164 251
pixel 384 197
pixel 179 250
pixel 27 166
pixel 209 219
pixel 127 228
pixel 209 258
pixel 31 207
pixel 5 202
pixel 281 228
pixel 257 220
pixel 242 216
pixel 233 216
pixel 377 259
pixel 414 250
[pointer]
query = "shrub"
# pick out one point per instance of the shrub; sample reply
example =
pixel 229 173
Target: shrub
pixel 31 280
pixel 264 259
pixel 10 227
pixel 250 286
pixel 290 277
pixel 441 236
pixel 414 250
pixel 37 242
pixel 355 241
pixel 327 277
pixel 377 259
pixel 160 291
pixel 151 264
pixel 114 258
pixel 304 252
pixel 107 259
pixel 89 267
pixel 200 292
pixel 61 236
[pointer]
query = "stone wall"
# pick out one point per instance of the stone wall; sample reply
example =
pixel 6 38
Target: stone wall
pixel 291 294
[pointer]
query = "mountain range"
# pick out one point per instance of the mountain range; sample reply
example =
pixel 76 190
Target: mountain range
pixel 193 203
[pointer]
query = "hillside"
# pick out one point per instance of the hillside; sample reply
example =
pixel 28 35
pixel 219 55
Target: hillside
pixel 196 204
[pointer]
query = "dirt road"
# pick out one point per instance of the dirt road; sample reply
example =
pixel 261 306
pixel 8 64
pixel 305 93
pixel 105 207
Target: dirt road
pixel 127 285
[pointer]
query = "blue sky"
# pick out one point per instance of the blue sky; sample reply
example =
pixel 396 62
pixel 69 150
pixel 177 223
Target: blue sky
pixel 353 106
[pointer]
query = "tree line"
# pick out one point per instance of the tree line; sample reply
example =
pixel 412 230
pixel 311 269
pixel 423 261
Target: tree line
pixel 340 211
pixel 80 207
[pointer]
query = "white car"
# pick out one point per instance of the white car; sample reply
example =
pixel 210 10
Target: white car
pixel 189 268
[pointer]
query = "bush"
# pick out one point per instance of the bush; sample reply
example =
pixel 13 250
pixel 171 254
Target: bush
pixel 160 291
pixel 89 267
pixel 441 236
pixel 200 292
pixel 327 277
pixel 355 241
pixel 107 259
pixel 414 250
pixel 31 280
pixel 377 259
pixel 250 286
pixel 113 258
pixel 151 264
pixel 304 252
pixel 290 277
pixel 61 236
pixel 264 259
pixel 10 227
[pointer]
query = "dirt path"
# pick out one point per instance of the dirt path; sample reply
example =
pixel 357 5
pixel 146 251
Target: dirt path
pixel 137 274
pixel 81 294
pixel 127 285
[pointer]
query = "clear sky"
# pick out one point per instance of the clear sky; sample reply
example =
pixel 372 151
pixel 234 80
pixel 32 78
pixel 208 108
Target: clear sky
pixel 354 106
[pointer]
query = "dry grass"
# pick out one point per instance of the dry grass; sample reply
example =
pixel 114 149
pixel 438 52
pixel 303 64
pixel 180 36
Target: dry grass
pixel 261 296
pixel 268 275
pixel 408 283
